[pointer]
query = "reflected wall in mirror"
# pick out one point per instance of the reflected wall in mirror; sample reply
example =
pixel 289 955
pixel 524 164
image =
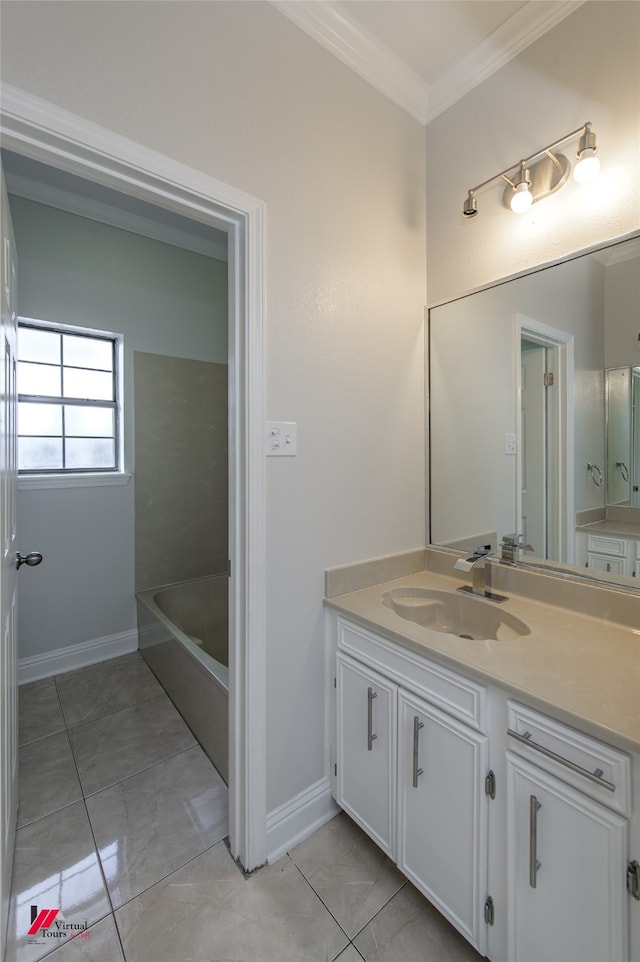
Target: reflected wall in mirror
pixel 535 415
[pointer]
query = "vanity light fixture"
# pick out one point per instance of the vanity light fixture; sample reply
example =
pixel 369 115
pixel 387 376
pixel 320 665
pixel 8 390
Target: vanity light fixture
pixel 588 165
pixel 541 174
pixel 521 199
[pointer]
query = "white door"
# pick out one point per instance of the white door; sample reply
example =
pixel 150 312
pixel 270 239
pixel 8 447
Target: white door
pixel 442 813
pixel 8 572
pixel 567 865
pixel 534 448
pixel 366 750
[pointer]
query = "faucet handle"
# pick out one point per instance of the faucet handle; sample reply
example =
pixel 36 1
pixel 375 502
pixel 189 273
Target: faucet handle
pixel 512 544
pixel 482 549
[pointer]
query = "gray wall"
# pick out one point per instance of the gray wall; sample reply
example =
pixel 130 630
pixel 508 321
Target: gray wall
pixel 163 300
pixel 181 489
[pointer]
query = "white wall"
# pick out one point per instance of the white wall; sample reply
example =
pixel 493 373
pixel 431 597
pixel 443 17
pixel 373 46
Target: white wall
pixel 585 69
pixel 72 270
pixel 622 298
pixel 237 91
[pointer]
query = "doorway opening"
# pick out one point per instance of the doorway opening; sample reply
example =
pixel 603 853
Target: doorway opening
pixel 41 132
pixel 544 464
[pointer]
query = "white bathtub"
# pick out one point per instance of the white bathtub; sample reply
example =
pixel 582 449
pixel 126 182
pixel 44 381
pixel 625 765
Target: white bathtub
pixel 183 637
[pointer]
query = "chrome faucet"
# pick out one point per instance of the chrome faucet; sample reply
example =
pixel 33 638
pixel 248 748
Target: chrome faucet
pixel 480 573
pixel 511 545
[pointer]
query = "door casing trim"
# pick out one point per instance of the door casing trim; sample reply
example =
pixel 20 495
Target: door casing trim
pixel 46 132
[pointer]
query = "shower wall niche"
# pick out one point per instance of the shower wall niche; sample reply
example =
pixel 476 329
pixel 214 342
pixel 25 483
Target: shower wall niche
pixel 181 476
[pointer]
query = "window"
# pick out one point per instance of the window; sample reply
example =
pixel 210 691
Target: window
pixel 68 405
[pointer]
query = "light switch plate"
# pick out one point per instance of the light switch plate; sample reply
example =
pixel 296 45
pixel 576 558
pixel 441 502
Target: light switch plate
pixel 510 444
pixel 281 439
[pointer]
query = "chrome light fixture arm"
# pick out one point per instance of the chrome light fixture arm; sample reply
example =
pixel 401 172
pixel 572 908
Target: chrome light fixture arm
pixel 517 174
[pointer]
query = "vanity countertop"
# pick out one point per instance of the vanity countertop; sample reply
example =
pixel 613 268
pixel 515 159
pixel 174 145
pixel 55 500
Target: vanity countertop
pixel 625 529
pixel 583 670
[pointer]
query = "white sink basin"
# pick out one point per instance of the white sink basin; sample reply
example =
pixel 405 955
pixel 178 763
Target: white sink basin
pixel 454 613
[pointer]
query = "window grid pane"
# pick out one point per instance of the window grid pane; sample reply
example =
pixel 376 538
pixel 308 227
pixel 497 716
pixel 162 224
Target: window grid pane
pixel 87 352
pixel 53 436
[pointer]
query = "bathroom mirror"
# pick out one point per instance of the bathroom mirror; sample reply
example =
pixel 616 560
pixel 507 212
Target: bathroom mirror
pixel 534 420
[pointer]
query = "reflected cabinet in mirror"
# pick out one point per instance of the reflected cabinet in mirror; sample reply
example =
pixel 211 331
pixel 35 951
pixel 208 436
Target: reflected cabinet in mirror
pixel 535 415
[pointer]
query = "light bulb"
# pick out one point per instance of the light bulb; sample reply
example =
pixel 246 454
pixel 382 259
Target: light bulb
pixel 588 166
pixel 522 198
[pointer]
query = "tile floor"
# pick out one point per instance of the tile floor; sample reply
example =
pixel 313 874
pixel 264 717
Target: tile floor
pixel 122 825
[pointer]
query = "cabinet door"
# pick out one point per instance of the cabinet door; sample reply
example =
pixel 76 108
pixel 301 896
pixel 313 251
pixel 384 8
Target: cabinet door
pixel 566 876
pixel 442 813
pixel 366 750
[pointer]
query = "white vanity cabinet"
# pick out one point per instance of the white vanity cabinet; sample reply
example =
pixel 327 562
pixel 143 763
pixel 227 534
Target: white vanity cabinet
pixel 606 553
pixel 567 844
pixel 411 763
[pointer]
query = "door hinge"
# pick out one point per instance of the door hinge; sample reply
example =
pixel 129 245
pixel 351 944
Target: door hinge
pixel 548 379
pixel 488 911
pixel 490 784
pixel 335 683
pixel 335 769
pixel 633 879
pixel 229 567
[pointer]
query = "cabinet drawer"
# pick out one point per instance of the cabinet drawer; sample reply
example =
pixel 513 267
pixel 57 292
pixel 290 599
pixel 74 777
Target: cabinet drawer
pixel 605 562
pixel 614 546
pixel 596 769
pixel 445 689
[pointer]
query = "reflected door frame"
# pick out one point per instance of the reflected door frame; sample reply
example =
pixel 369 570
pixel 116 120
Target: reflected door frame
pixel 42 131
pixel 560 434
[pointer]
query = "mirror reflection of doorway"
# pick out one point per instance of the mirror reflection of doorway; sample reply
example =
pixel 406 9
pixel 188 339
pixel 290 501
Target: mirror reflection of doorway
pixel 635 401
pixel 545 441
pixel 533 426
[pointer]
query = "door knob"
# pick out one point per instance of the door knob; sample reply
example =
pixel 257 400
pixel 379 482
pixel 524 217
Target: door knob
pixel 31 559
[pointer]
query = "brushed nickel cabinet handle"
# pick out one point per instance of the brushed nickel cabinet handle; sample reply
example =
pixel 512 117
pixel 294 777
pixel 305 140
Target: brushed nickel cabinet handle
pixel 534 864
pixel 371 694
pixel 596 776
pixel 417 725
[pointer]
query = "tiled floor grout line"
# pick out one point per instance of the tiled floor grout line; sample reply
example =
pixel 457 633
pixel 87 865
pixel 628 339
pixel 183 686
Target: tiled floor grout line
pixel 140 771
pixel 169 874
pixel 85 796
pixel 67 729
pixel 346 934
pixel 95 845
pixel 362 927
pixel 115 711
pixel 375 914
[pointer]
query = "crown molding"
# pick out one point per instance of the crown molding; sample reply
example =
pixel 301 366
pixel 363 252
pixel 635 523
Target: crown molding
pixel 347 40
pixel 359 50
pixel 517 33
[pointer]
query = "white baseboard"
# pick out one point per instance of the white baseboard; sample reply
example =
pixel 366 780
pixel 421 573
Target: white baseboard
pixel 86 653
pixel 298 818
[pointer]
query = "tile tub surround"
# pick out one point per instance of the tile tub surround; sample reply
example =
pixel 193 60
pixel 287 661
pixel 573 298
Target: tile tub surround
pixel 172 890
pixel 181 490
pixel 583 669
